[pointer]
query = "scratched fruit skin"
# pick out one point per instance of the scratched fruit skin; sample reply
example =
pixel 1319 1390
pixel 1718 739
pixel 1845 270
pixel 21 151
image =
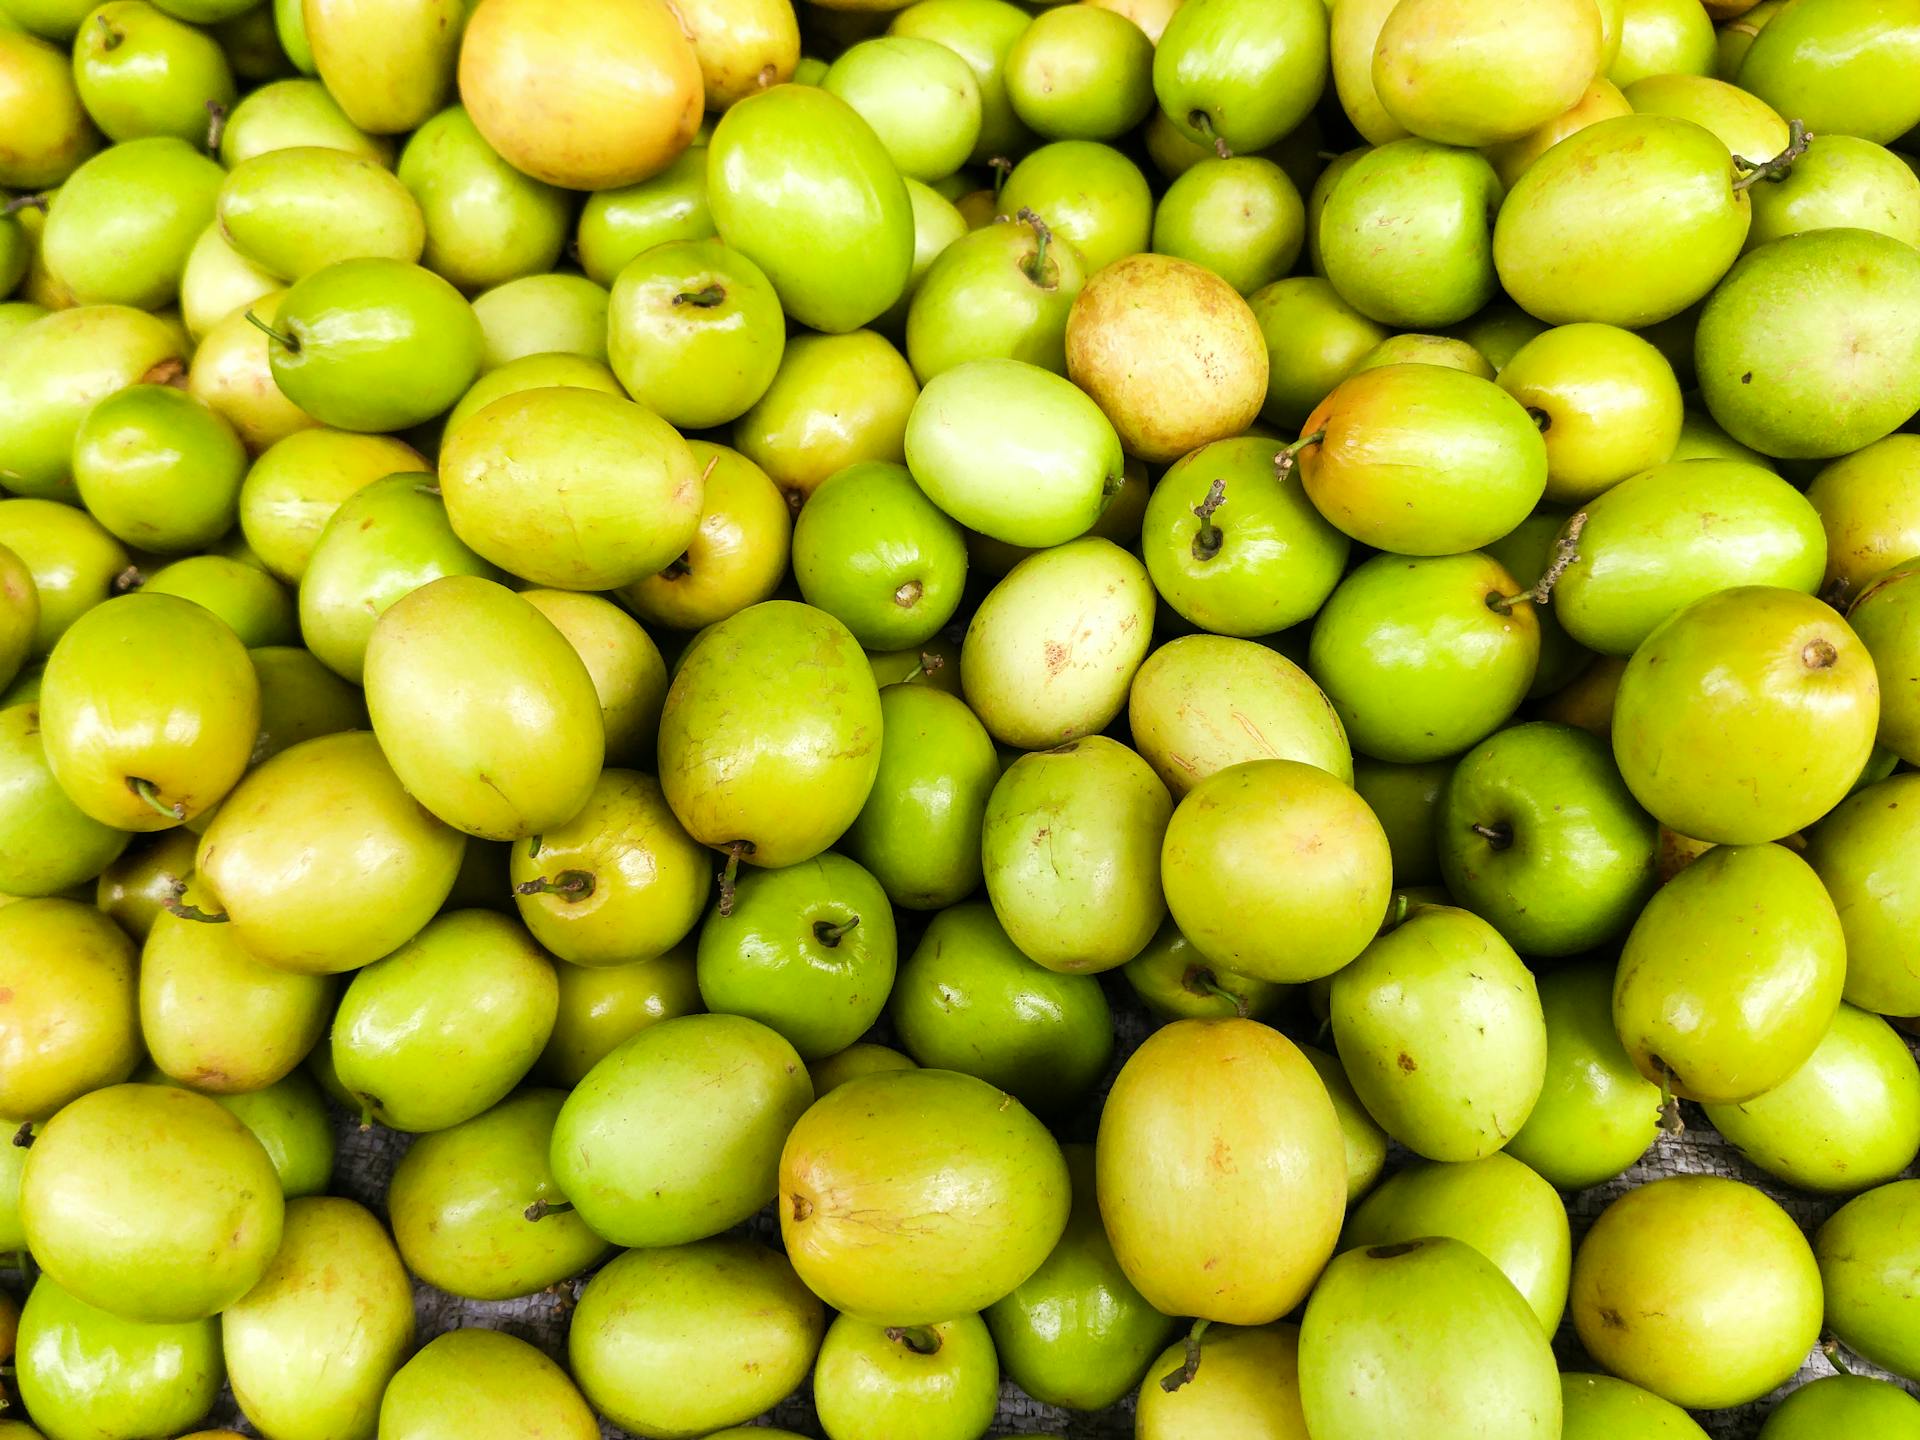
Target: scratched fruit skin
pixel 1699 1289
pixel 483 1385
pixel 1221 1169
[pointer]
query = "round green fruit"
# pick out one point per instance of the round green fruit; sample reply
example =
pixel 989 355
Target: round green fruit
pixel 159 469
pixel 71 1025
pixel 1841 1405
pixel 874 552
pixel 47 843
pixel 483 1385
pixel 932 1382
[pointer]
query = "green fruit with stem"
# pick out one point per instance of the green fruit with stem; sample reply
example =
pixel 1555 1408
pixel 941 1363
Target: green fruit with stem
pixel 297 210
pixel 1246 1381
pixel 72 1024
pixel 1239 74
pixel 930 1382
pixel 737 556
pixel 921 100
pixel 486 1385
pixel 1094 197
pixel 486 222
pixel 159 469
pixel 132 890
pixel 1081 73
pixel 1012 283
pixel 47 843
pixel 119 229
pixel 1176 982
pixel 141 72
pixel 1864 1249
pixel 1845 69
pixel 874 552
pixel 604 1005
pixel 1841 183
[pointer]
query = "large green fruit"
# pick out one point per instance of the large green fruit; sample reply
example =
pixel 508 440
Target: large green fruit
pixel 1844 373
pixel 47 843
pixel 448 652
pixel 802 186
pixel 1721 1010
pixel 1495 1204
pixel 1599 1407
pixel 1221 1171
pixel 64 563
pixel 911 1195
pixel 1424 1337
pixel 88 1375
pixel 148 709
pixel 983 33
pixel 476 1210
pixel 1700 1289
pixel 1846 67
pixel 874 552
pixel 70 1024
pixel 483 1385
pixel 676 1135
pixel 1093 196
pixel 1867 1250
pixel 1241 218
pixel 1241 72
pixel 1440 1029
pixel 486 222
pixel 1746 716
pixel 669 1343
pixel 323 820
pixel 967 999
pixel 159 469
pixel 1846 1120
pixel 1844 1405
pixel 920 1382
pixel 1246 1387
pixel 1596 1114
pixel 413 1047
pixel 389 65
pixel 920 99
pixel 152 1203
pixel 1606 402
pixel 836 400
pixel 1867 855
pixel 770 739
pixel 119 229
pixel 297 210
pixel 311 1348
pixel 1483 74
pixel 1843 182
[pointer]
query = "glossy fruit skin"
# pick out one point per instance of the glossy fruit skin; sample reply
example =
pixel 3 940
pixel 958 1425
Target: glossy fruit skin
pixel 1596 1114
pixel 743 46
pixel 251 602
pixel 1864 1249
pixel 1727 1017
pixel 1466 74
pixel 736 557
pixel 1867 509
pixel 968 1000
pixel 289 1118
pixel 233 374
pixel 838 255
pixel 884 1145
pixel 1077 77
pixel 325 818
pixel 294 112
pixel 47 843
pixel 1248 1165
pixel 72 1024
pixel 1863 853
pixel 1247 1388
pixel 542 315
pixel 616 225
pixel 20 615
pixel 486 223
pixel 87 1373
pixel 919 831
pixel 1482 464
pixel 151 1202
pixel 1405 799
pixel 215 1018
pixel 300 699
pixel 874 552
pixel 495 773
pixel 1659 37
pixel 1092 195
pixel 871 1383
pixel 1802 401
pixel 1263 560
pixel 601 1007
pixel 922 103
pixel 1014 293
pixel 1674 223
pixel 458 1202
pixel 1610 403
pixel 983 33
pixel 118 230
pixel 311 1348
pixel 836 400
pixel 1572 832
pixel 1242 218
pixel 669 1343
pixel 141 72
pixel 297 210
pixel 1843 1404
pixel 1844 69
pixel 1601 100
pixel 1700 1289
pixel 1845 1121
pixel 1241 72
pixel 48 129
pixel 294 488
pixel 746 740
pixel 484 1385
pixel 1782 733
pixel 1417 663
pixel 1383 1350
pixel 1846 182
pixel 695 306
pixel 379 345
pixel 413 1048
pixel 159 469
pixel 1676 533
pixel 1597 1407
pixel 1401 1018
pixel 808 951
pixel 854 1062
pixel 63 564
pixel 1075 1332
pixel 1012 669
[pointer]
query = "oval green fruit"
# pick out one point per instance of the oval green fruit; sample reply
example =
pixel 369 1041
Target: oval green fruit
pixel 1366 1141
pixel 921 100
pixel 1247 1384
pixel 616 225
pixel 1599 1407
pixel 1843 183
pixel 483 1385
pixel 253 604
pixel 1240 72
pixel 290 1120
pixel 1886 617
pixel 1844 1404
pixel 1002 291
pixel 1844 68
pixel 836 400
pixel 297 210
pixel 141 72
pixel 983 33
pixel 486 222
pixel 1865 855
pixel 159 469
pixel 874 552
pixel 293 489
pixel 626 668
pixel 47 843
pixel 1482 75
pixel 1865 1249
pixel 853 1062
pixel 287 113
pixel 119 229
pixel 72 1022
pixel 552 314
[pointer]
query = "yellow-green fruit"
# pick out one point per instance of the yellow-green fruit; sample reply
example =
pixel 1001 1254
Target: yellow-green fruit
pixel 483 1385
pixel 47 843
pixel 1866 1252
pixel 389 63
pixel 604 1005
pixel 294 488
pixel 294 211
pixel 1366 1141
pixel 625 665
pixel 47 130
pixel 1866 856
pixel 1247 1387
pixel 70 1023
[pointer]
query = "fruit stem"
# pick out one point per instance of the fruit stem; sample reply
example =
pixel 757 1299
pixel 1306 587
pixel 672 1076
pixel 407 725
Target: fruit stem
pixel 1289 455
pixel 216 125
pixel 1002 167
pixel 1830 1347
pixel 540 1209
pixel 36 201
pixel 150 792
pixel 1190 1367
pixel 1500 837
pixel 1203 122
pixel 114 37
pixel 128 579
pixel 1751 172
pixel 368 1104
pixel 1201 981
pixel 180 910
pixel 929 662
pixel 1566 550
pixel 832 935
pixel 706 298
pixel 23 1137
pixel 533 846
pixel 1206 540
pixel 575 885
pixel 1034 267
pixel 921 1339
pixel 731 874
pixel 272 334
pixel 1396 913
pixel 1670 1118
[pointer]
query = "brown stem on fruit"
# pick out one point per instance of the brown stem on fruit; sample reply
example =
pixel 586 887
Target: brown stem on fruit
pixel 1819 655
pixel 1190 1367
pixel 1207 540
pixel 128 579
pixel 678 570
pixel 908 595
pixel 929 663
pixel 921 1339
pixel 1566 550
pixel 150 792
pixel 831 935
pixel 1500 837
pixel 180 910
pixel 115 37
pixel 1751 172
pixel 1002 167
pixel 730 875
pixel 1203 122
pixel 705 298
pixel 1289 455
pixel 1670 1117
pixel 36 201
pixel 272 334
pixel 540 1209
pixel 1201 981
pixel 1034 267
pixel 23 1137
pixel 216 125
pixel 1836 1357
pixel 574 885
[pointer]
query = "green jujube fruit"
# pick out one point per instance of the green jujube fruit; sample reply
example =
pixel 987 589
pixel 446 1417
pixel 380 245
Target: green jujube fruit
pixel 119 229
pixel 290 1120
pixel 1440 1029
pixel 1866 856
pixel 1012 285
pixel 935 1382
pixel 601 1007
pixel 920 99
pixel 286 113
pixel 483 1385
pixel 159 469
pixel 298 210
pixel 311 1348
pixel 139 72
pixel 1241 72
pixel 254 605
pixel 1247 1387
pixel 676 1135
pixel 1843 66
pixel 72 1020
pixel 800 185
pixel 62 565
pixel 1366 1141
pixel 296 485
pixel 1599 1407
pixel 1886 617
pixel 1866 1250
pixel 500 773
pixel 770 738
pixel 47 843
pixel 616 225
pixel 554 313
pixel 1844 1405
pixel 1384 1350
pixel 983 33
pixel 410 1043
pixel 486 223
pixel 460 1198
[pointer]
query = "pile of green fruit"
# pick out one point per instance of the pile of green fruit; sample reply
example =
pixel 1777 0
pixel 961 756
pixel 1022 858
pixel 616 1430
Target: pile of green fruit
pixel 698 604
